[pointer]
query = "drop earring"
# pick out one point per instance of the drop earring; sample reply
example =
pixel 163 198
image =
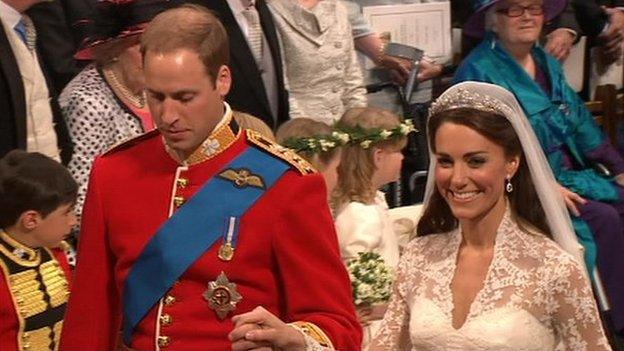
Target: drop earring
pixel 508 185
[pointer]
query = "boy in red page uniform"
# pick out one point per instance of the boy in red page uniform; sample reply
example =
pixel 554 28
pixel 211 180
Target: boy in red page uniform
pixel 37 195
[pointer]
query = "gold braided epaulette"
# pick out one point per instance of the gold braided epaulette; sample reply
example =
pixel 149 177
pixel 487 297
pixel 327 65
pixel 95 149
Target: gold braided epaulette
pixel 300 164
pixel 126 143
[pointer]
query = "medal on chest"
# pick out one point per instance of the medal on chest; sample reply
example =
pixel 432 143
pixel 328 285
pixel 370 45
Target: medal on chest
pixel 222 296
pixel 226 251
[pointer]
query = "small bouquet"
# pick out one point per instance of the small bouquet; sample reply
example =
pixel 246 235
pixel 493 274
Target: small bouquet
pixel 371 279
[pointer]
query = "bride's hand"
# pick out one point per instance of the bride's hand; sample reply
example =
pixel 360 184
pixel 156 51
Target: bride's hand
pixel 572 199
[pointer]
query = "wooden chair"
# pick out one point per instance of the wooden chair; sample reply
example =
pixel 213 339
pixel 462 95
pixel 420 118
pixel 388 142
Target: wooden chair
pixel 604 108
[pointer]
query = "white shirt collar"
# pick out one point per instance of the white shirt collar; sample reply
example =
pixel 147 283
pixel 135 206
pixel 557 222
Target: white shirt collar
pixel 237 6
pixel 225 118
pixel 9 16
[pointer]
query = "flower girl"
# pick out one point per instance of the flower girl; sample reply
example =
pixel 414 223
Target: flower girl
pixel 371 160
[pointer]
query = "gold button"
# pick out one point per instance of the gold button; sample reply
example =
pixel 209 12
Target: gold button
pixel 178 201
pixel 163 341
pixel 182 182
pixel 169 300
pixel 165 320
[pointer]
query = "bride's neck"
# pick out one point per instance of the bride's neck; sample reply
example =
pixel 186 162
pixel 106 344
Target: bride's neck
pixel 480 233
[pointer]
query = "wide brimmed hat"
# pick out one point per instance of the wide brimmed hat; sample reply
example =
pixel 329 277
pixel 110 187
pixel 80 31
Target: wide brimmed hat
pixel 117 19
pixel 475 26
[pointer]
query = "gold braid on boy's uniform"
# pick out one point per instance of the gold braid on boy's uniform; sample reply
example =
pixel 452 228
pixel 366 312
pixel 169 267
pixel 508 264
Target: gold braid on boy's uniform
pixel 39 290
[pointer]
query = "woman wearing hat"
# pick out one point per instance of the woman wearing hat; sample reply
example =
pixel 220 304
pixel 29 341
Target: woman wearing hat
pixel 511 57
pixel 105 104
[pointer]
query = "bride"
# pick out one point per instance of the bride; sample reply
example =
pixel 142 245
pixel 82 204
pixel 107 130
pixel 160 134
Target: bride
pixel 483 273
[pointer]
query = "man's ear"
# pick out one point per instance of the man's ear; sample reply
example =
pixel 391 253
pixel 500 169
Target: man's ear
pixel 30 220
pixel 223 83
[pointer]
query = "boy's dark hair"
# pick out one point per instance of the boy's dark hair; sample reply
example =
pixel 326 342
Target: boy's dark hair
pixel 32 181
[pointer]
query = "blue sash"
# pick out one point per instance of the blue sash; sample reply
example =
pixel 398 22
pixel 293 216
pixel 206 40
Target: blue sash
pixel 190 232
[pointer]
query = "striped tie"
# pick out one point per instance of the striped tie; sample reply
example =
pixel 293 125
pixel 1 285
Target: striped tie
pixel 254 35
pixel 22 28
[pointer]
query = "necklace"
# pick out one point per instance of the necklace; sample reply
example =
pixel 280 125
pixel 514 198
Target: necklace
pixel 134 99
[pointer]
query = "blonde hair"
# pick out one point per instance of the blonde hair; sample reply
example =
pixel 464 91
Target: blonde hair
pixel 190 27
pixel 306 128
pixel 247 121
pixel 357 165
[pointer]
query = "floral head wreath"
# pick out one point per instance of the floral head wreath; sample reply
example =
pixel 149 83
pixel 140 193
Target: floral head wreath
pixel 353 136
pixel 366 137
pixel 317 143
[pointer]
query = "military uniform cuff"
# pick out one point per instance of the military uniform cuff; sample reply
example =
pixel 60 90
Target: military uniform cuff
pixel 315 338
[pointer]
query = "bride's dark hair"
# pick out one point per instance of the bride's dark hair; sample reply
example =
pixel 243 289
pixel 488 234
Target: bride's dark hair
pixel 524 202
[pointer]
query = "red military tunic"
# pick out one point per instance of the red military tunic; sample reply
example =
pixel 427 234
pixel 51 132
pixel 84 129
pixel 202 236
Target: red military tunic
pixel 286 260
pixel 34 284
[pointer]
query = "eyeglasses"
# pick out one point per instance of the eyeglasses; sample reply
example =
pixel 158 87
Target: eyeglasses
pixel 518 10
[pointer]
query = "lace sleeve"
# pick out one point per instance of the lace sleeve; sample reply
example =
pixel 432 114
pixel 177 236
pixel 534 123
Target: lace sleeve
pixel 575 314
pixel 394 331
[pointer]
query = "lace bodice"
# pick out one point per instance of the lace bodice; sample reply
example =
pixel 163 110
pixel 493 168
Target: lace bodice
pixel 535 296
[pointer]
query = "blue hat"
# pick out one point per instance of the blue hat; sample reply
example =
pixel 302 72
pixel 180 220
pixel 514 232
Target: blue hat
pixel 475 26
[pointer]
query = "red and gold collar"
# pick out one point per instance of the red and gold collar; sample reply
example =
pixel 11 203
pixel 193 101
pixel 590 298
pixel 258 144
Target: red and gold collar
pixel 224 135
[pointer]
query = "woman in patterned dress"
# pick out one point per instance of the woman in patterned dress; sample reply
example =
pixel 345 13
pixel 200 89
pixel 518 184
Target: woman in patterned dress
pixel 105 104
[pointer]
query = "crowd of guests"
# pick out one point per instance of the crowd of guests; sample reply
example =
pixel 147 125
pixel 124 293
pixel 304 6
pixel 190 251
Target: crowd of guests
pixel 219 165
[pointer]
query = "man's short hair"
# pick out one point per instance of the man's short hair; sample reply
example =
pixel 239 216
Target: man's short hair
pixel 32 181
pixel 191 27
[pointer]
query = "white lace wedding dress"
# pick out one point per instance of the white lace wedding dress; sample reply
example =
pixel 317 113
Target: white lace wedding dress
pixel 534 297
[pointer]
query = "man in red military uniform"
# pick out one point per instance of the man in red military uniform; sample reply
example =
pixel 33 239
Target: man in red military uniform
pixel 189 229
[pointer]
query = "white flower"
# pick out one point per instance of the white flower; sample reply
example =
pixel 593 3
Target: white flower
pixel 385 134
pixel 406 127
pixel 326 145
pixel 211 146
pixel 366 143
pixel 342 137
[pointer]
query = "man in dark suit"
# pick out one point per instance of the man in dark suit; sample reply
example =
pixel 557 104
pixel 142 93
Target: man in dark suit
pixel 54 45
pixel 22 125
pixel 255 90
pixel 603 22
